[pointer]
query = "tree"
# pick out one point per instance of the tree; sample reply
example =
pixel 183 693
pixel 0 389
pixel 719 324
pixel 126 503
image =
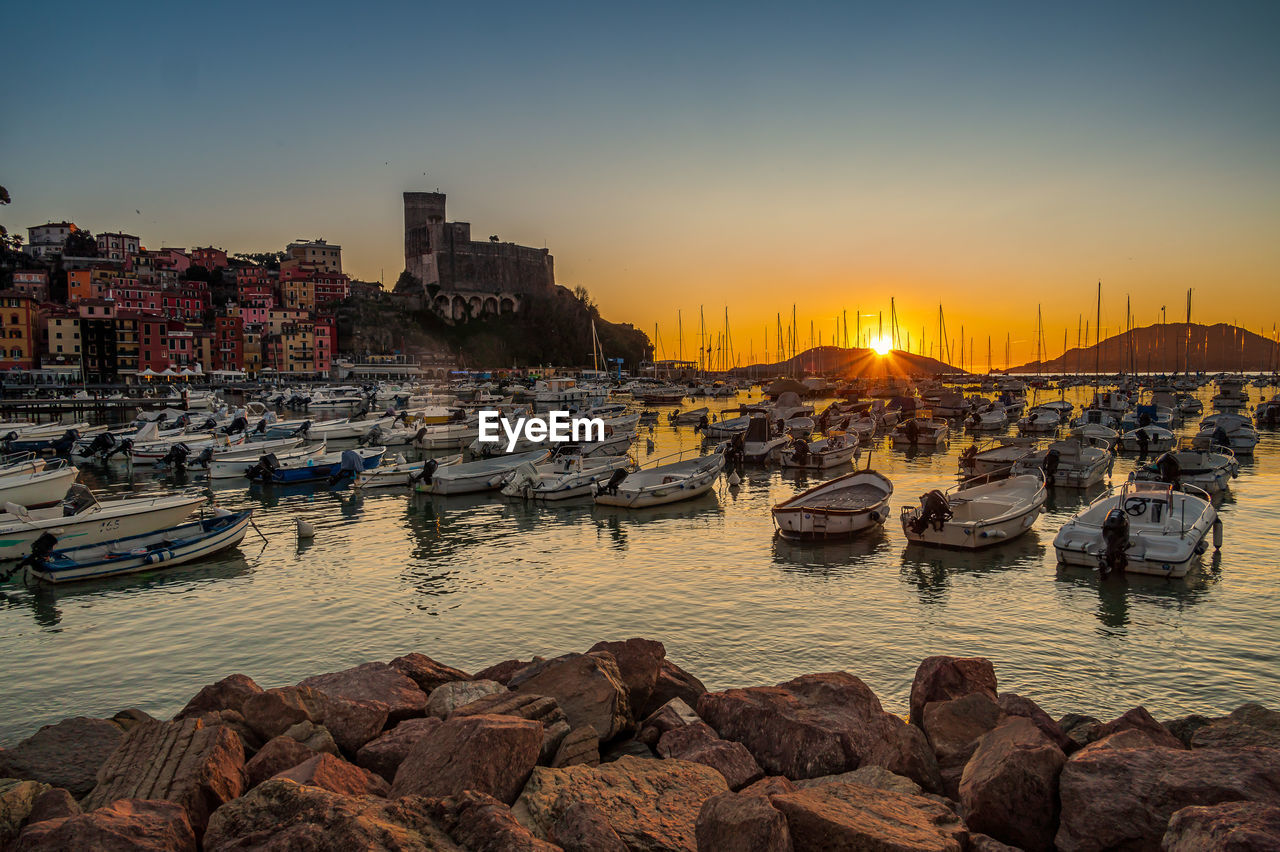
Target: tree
pixel 407 283
pixel 266 259
pixel 10 248
pixel 80 244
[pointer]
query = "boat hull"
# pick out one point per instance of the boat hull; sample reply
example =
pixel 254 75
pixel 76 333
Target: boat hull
pixel 97 527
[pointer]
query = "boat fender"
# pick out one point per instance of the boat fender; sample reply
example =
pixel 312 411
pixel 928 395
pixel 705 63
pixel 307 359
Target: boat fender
pixel 305 529
pixel 734 479
pixel 1217 533
pixel 156 556
pixel 219 512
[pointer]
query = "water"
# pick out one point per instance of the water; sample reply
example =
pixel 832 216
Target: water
pixel 472 580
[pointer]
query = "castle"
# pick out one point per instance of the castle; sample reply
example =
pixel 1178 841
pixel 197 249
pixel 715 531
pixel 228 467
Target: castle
pixel 463 278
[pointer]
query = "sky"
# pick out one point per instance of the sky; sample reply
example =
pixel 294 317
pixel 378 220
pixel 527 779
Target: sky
pixel 997 159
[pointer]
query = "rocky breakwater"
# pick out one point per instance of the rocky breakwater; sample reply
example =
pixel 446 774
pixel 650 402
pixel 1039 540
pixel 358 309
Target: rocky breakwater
pixel 618 748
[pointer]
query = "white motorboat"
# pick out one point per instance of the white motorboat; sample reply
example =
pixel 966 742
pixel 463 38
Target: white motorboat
pixel 728 427
pixel 759 444
pixel 845 506
pixel 977 513
pixel 1114 403
pixel 1070 463
pixel 1147 439
pixel 345 429
pixel 1096 417
pixel 155 448
pixel 447 436
pixel 563 477
pixel 34 488
pixel 1230 430
pixel 1193 462
pixel 1148 415
pixel 991 418
pixel 692 417
pixel 665 483
pixel 480 475
pixel 400 471
pixel 1060 406
pixel 613 445
pixel 248 449
pixel 238 465
pixel 1142 527
pixel 1267 414
pixel 1098 435
pixel 1041 421
pixel 995 456
pixel 83 519
pixel 832 451
pixel 922 433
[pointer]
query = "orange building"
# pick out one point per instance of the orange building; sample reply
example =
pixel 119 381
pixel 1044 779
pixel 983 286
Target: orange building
pixel 79 285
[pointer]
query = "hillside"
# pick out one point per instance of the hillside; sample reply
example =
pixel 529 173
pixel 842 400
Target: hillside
pixel 1166 348
pixel 851 363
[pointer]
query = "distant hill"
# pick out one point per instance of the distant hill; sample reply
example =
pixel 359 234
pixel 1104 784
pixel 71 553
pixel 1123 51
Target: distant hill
pixel 1168 347
pixel 852 364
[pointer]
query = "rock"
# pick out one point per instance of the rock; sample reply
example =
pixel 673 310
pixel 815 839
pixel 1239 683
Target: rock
pixel 283 815
pixel 945 678
pixel 54 803
pixel 336 775
pixel 66 754
pixel 1184 727
pixel 183 762
pixel 17 800
pixel 1114 798
pixel 588 687
pixel 983 843
pixel 954 728
pixel 1080 729
pixel 280 753
pixel 489 754
pixel 1009 788
pixel 538 708
pixel 385 754
pixel 699 744
pixel 625 748
pixel 673 714
pixel 580 746
pixel 426 672
pixel 1128 738
pixel 126 825
pixel 639 661
pixel 1248 725
pixel 273 711
pixel 1139 719
pixel 352 722
pixel 649 804
pixel 227 694
pixel 128 719
pixel 502 672
pixel 1228 827
pixel 230 718
pixel 584 828
pixel 483 824
pixel 732 822
pixel 673 682
pixel 374 682
pixel 1012 704
pixel 868 776
pixel 313 736
pixel 853 817
pixel 773 784
pixel 447 697
pixel 907 753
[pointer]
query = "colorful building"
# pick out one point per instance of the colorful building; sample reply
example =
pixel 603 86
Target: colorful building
pixel 316 254
pixel 18 331
pixel 33 283
pixel 210 258
pixel 228 350
pixel 117 246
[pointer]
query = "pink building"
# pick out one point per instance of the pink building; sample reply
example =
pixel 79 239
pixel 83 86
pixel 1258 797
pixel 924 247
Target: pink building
pixel 33 283
pixel 210 258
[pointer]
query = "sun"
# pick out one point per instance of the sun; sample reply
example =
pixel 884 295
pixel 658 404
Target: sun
pixel 882 346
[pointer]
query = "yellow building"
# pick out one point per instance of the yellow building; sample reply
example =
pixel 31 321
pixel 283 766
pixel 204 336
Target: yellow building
pixel 18 327
pixel 316 254
pixel 299 294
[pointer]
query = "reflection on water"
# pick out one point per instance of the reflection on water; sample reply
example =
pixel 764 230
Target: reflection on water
pixel 472 579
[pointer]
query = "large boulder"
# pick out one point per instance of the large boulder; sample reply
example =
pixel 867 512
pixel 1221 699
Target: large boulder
pixel 673 682
pixel 673 714
pixel 1009 789
pixel 385 754
pixel 503 672
pixel 280 753
pixel 281 815
pixel 336 775
pixel 227 694
pixel 1138 719
pixel 1247 725
pixel 580 746
pixel 1124 798
pixel 588 687
pixel 125 825
pixel 351 721
pixel 17 801
pixel 232 719
pixel 489 754
pixel 945 678
pixel 54 803
pixel 698 743
pixel 737 822
pixel 483 824
pixel 447 697
pixel 537 708
pixel 1229 827
pixel 868 776
pixel 639 662
pixel 66 754
pixel 197 767
pixel 313 736
pixel 649 804
pixel 1012 704
pixel 426 672
pixel 954 728
pixel 374 682
pixel 1079 728
pixel 852 817
pixel 583 827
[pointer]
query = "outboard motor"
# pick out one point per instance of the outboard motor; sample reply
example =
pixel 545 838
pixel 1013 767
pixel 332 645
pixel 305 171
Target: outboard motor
pixel 1221 438
pixel 428 471
pixel 183 421
pixel 935 510
pixel 1169 468
pixel 351 464
pixel 6 443
pixel 1144 419
pixel 177 456
pixel 205 457
pixel 302 431
pixel 63 445
pixel 418 436
pixel 1051 461
pixel 800 451
pixel 370 438
pixel 238 425
pixel 40 550
pixel 262 471
pixel 209 425
pixel 261 428
pixel 360 412
pixel 913 432
pixel 101 443
pixel 703 422
pixel 1144 442
pixel 611 487
pixel 1115 539
pixel 124 445
pixel 77 500
pixel 968 455
pixel 736 452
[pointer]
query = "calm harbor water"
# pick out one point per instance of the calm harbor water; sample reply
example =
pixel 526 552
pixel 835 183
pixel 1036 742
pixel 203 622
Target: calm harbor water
pixel 472 580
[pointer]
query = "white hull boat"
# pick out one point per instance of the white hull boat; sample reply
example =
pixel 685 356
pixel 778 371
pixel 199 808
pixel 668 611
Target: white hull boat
pixel 562 478
pixel 480 475
pixel 1147 439
pixel 447 436
pixel 995 457
pixel 1209 470
pixel 82 519
pixel 728 427
pixel 32 488
pixel 401 472
pixel 828 452
pixel 237 465
pixel 668 483
pixel 921 433
pixel 845 506
pixel 345 430
pixel 974 516
pixel 1039 422
pixel 1067 464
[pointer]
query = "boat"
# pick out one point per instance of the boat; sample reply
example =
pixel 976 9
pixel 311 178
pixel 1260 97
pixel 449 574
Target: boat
pixel 662 484
pixel 130 554
pixel 1195 462
pixel 728 427
pixel 56 438
pixel 1041 421
pixel 345 429
pixel 1147 415
pixel 1230 430
pixel 400 471
pixel 923 433
pixel 453 435
pixel 759 443
pixel 83 519
pixel 31 487
pixel 326 466
pixel 834 450
pixel 483 474
pixel 1096 417
pixel 977 513
pixel 1147 439
pixel 844 506
pixel 237 466
pixel 1070 463
pixel 562 477
pixel 1267 414
pixel 990 418
pixel 1142 527
pixel 1100 436
pixel 692 417
pixel 994 456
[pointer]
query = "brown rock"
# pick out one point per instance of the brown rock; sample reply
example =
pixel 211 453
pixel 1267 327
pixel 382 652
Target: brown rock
pixel 580 747
pixel 483 824
pixel 385 754
pixel 673 682
pixel 649 804
pixel 426 672
pixel 183 762
pixel 588 687
pixel 54 803
pixel 732 822
pixel 1248 725
pixel 488 754
pixel 1185 727
pixel 852 817
pixel 1080 729
pixel 945 678
pixel 907 753
pixel 868 776
pixel 1139 719
pixel 374 682
pixel 639 661
pixel 1128 738
pixel 673 714
pixel 280 753
pixel 227 694
pixel 282 816
pixel 1124 798
pixel 1009 788
pixel 17 801
pixel 983 843
pixel 126 825
pixel 699 744
pixel 616 749
pixel 771 785
pixel 502 672
pixel 447 697
pixel 1229 827
pixel 230 718
pixel 336 775
pixel 1012 704
pixel 66 754
pixel 954 728
pixel 128 719
pixel 584 828
pixel 273 711
pixel 352 722
pixel 313 736
pixel 538 708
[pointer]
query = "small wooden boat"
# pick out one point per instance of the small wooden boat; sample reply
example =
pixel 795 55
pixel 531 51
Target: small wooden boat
pixel 727 427
pixel 479 475
pixel 995 456
pixel 1041 421
pixel 845 506
pixel 1194 462
pixel 977 513
pixel 923 433
pixel 1147 439
pixel 692 417
pixel 832 451
pixel 130 554
pixel 662 484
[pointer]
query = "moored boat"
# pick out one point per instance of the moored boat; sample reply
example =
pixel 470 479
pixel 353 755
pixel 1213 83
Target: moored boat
pixel 483 474
pixel 844 506
pixel 662 484
pixel 1070 463
pixel 977 513
pixel 834 450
